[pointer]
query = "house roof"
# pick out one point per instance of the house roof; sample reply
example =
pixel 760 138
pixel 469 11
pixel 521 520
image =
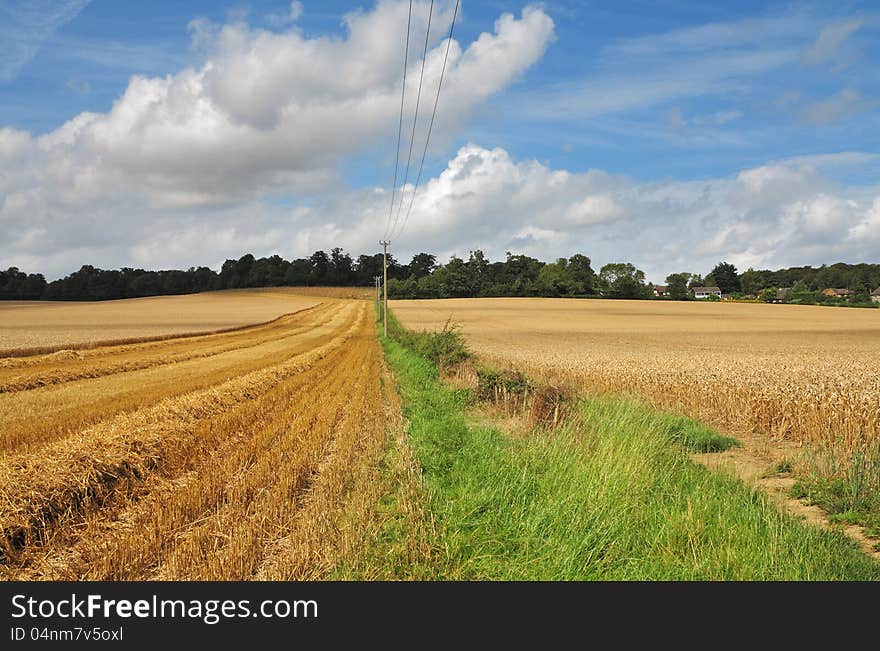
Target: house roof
pixel 705 290
pixel 661 288
pixel 841 291
pixel 876 292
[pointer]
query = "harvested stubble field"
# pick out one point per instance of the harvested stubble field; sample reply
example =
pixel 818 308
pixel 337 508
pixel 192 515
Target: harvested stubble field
pixel 805 374
pixel 246 454
pixel 33 327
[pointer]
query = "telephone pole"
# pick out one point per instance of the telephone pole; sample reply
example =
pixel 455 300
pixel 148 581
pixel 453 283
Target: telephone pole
pixel 384 244
pixel 376 283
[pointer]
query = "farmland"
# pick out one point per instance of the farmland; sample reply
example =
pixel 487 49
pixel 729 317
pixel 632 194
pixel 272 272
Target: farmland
pixel 28 327
pixel 225 456
pixel 278 451
pixel 802 375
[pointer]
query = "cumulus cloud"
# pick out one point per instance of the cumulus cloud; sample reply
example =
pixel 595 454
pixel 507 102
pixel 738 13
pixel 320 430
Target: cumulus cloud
pixel 267 113
pixel 242 153
pixel 784 213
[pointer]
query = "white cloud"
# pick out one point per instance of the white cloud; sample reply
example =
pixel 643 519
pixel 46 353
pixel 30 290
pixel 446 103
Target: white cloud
pixel 783 213
pixel 242 154
pixel 210 150
pixel 867 230
pixel 293 13
pixel 780 214
pixel 593 209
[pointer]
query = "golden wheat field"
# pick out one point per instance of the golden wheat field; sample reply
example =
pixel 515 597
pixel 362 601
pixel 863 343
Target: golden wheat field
pixel 804 373
pixel 238 455
pixel 28 327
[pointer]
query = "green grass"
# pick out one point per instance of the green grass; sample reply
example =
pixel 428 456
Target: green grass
pixel 613 495
pixel 835 496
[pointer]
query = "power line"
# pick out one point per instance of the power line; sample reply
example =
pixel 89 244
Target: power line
pixel 400 122
pixel 431 124
pixel 412 136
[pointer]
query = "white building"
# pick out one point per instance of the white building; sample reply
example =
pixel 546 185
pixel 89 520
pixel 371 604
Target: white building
pixel 706 292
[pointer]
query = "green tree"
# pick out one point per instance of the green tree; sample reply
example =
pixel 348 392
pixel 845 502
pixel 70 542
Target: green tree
pixel 677 285
pixel 768 295
pixel 800 293
pixel 478 270
pixel 752 282
pixel 623 280
pixel 581 271
pixel 454 279
pixel 320 268
pixel 555 279
pixel 341 270
pixel 421 265
pixel 726 278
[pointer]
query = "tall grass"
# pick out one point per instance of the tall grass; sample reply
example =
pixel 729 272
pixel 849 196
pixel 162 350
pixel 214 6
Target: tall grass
pixel 772 373
pixel 609 495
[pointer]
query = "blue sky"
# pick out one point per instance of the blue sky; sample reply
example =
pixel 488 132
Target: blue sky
pixel 743 121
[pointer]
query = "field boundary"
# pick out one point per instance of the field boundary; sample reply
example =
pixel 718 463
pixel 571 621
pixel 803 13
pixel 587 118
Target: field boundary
pixel 740 460
pixel 608 493
pixel 753 469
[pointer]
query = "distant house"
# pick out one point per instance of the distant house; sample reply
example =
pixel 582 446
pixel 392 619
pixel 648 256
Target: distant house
pixel 661 290
pixel 706 292
pixel 782 292
pixel 875 295
pixel 837 293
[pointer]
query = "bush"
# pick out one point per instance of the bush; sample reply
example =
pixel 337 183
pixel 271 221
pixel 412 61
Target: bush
pixel 445 348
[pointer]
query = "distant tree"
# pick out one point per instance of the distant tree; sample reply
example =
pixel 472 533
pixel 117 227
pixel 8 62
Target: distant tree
pixel 696 281
pixel 421 265
pixel 320 272
pixel 17 285
pixel 299 273
pixel 341 270
pixel 454 279
pixel 519 273
pixel 768 295
pixel 555 279
pixel 726 278
pixel 581 271
pixel 368 267
pixel 750 281
pixel 677 286
pixel 479 271
pixel 800 293
pixel 623 280
pixel 408 288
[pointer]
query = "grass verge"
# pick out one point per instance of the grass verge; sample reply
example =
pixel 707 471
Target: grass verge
pixel 611 494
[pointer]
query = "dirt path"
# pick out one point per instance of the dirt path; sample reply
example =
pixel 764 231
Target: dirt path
pixel 755 463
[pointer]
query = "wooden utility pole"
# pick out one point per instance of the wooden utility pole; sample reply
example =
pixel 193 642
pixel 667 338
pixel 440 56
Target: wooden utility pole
pixel 384 244
pixel 376 283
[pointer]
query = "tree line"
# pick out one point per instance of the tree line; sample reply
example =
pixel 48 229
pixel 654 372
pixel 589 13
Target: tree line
pixel 803 285
pixel 425 277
